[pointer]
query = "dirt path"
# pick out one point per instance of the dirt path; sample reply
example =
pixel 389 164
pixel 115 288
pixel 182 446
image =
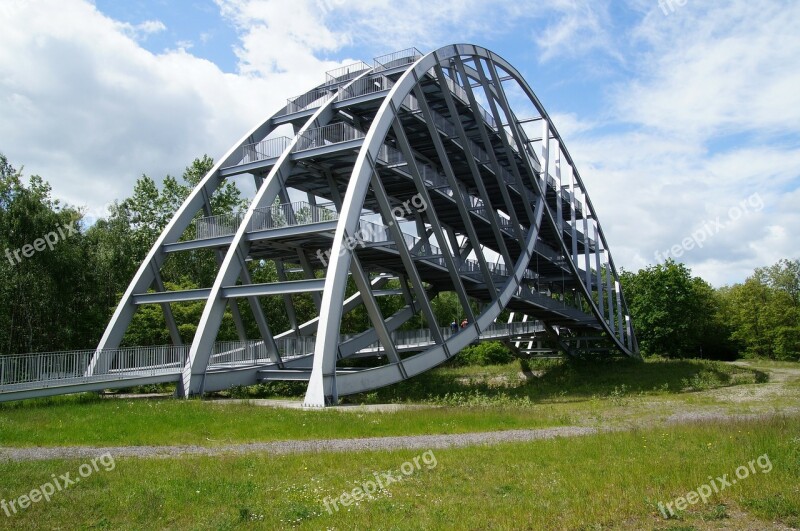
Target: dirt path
pixel 409 442
pixel 289 447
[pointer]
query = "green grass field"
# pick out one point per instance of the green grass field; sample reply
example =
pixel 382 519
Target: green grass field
pixel 611 480
pixel 564 393
pixel 169 421
pixel 597 482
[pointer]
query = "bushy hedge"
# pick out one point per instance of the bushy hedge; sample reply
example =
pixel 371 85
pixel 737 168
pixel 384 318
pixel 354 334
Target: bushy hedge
pixel 488 353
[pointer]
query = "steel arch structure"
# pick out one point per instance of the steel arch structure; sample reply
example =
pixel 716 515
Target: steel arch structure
pixel 414 170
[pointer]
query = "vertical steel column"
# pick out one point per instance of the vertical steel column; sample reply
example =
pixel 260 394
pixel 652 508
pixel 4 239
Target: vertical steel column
pixel 599 273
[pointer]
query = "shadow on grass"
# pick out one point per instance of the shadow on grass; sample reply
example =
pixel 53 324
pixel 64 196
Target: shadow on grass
pixel 158 392
pixel 554 380
pixel 52 401
pixel 570 380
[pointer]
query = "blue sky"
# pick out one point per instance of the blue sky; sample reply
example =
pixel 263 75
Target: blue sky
pixel 194 24
pixel 674 115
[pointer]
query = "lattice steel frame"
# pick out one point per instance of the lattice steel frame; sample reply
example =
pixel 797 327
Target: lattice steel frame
pixel 527 207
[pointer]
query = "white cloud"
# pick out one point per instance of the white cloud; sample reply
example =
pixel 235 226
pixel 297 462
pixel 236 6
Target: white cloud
pixel 717 69
pixel 580 26
pixel 279 36
pixel 276 33
pixel 704 106
pixel 703 120
pixel 570 125
pixel 89 109
pixel 141 31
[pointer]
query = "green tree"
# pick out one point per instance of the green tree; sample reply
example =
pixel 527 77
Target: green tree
pixel 132 229
pixel 675 314
pixel 44 289
pixel 764 311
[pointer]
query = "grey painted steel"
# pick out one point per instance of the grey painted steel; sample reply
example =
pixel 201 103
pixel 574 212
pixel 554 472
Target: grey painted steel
pixel 234 363
pixel 477 164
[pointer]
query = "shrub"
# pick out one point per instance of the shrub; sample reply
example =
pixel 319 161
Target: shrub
pixel 488 353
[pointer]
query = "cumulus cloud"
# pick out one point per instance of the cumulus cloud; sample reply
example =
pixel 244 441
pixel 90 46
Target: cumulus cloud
pixel 701 110
pixel 705 120
pixel 89 109
pixel 141 31
pixel 578 28
pixel 718 69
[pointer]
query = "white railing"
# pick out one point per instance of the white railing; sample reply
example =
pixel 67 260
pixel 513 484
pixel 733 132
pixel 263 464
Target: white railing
pixel 264 218
pixel 20 369
pixel 295 347
pixel 433 178
pixel 411 104
pixel 151 360
pixel 362 87
pixel 311 99
pixel 27 371
pixel 370 232
pixel 266 149
pixel 510 139
pixel 525 291
pixel 567 196
pixel 217 226
pixel 504 223
pixel 24 368
pixel 327 135
pixel 237 353
pixel 448 128
pixel 290 214
pixel 391 156
pixel 461 94
pixel 396 59
pixel 232 353
pixel 40 370
pixel 424 336
pixel 345 73
pixel 512 329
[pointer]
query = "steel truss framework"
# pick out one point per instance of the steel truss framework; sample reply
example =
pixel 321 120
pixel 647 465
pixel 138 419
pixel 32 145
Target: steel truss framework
pixel 414 169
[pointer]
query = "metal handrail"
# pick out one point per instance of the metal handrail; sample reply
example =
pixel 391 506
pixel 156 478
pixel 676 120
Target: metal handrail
pixel 327 135
pixel 22 370
pixel 218 226
pixel 369 232
pixel 266 149
pixel 270 217
pixel 18 369
pixel 368 85
pixel 311 99
pixel 290 214
pixel 411 104
pixel 391 156
pixel 423 336
pixel 395 59
pixel 461 94
pixel 345 73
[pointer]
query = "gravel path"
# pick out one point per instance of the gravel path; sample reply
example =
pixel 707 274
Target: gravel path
pixel 423 442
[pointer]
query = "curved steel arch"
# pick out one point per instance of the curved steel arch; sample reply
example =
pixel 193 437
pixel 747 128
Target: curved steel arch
pixel 322 386
pixel 148 273
pixel 410 123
